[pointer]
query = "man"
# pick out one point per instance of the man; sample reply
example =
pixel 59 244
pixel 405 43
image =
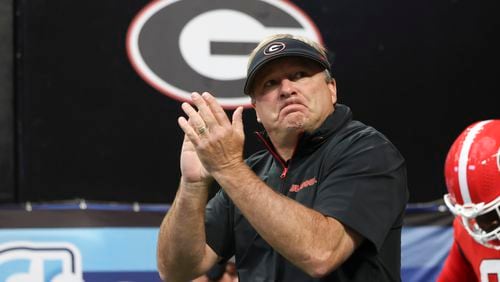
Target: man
pixel 323 202
pixel 472 172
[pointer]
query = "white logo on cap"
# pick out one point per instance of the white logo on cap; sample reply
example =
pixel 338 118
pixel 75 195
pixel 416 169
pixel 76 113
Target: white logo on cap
pixel 274 48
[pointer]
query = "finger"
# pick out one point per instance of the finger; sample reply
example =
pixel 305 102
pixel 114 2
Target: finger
pixel 195 119
pixel 218 112
pixel 188 130
pixel 204 110
pixel 238 120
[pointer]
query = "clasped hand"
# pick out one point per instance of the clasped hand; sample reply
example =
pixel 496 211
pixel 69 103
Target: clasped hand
pixel 212 142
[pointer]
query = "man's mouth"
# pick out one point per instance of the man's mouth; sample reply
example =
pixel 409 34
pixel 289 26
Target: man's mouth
pixel 290 108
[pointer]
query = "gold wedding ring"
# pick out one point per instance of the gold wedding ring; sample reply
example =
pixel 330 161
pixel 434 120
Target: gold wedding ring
pixel 202 130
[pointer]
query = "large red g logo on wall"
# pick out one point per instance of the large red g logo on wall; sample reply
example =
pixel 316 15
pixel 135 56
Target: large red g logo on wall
pixel 196 45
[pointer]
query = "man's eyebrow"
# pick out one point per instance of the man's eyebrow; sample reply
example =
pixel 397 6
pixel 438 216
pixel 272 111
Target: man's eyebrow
pixel 263 75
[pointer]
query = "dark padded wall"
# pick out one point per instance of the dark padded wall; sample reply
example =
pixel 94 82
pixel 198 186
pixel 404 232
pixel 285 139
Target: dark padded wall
pixel 91 128
pixel 418 71
pixel 7 191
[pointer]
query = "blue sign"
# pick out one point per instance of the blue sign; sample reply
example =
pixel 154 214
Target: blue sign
pixel 78 254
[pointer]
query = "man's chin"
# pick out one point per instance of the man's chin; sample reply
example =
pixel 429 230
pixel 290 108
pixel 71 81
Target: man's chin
pixel 295 120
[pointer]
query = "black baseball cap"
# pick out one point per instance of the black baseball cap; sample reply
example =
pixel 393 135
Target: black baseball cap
pixel 278 48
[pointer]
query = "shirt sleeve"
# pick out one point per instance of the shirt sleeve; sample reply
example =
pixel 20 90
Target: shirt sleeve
pixel 218 225
pixel 364 186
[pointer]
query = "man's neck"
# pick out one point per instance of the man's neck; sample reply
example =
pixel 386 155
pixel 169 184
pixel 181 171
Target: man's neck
pixel 285 143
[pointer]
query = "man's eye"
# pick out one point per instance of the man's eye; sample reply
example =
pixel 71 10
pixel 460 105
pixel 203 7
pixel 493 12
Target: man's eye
pixel 269 83
pixel 298 75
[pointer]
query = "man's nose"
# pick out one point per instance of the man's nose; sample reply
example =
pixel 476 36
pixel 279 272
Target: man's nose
pixel 286 88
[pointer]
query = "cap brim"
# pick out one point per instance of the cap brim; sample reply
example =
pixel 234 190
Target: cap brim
pixel 292 48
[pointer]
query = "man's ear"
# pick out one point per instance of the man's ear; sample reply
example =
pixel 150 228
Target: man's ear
pixel 256 113
pixel 332 85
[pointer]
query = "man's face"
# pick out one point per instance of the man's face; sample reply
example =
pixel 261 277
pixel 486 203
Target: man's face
pixel 292 93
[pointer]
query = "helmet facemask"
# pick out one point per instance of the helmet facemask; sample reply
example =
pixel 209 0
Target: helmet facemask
pixel 482 221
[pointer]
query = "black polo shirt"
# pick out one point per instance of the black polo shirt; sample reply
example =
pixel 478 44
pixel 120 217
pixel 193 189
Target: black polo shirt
pixel 345 170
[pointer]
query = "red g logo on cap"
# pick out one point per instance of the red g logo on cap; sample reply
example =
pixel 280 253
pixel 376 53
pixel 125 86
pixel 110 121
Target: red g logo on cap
pixel 274 47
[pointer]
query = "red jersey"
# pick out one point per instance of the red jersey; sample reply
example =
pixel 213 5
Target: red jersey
pixel 468 260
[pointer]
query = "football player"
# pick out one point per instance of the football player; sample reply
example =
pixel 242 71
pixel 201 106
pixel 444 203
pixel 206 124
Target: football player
pixel 472 172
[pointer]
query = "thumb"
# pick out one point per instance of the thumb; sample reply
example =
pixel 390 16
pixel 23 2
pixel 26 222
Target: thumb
pixel 187 144
pixel 238 120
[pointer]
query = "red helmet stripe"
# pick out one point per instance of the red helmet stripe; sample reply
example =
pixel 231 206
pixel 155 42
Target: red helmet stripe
pixel 464 160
